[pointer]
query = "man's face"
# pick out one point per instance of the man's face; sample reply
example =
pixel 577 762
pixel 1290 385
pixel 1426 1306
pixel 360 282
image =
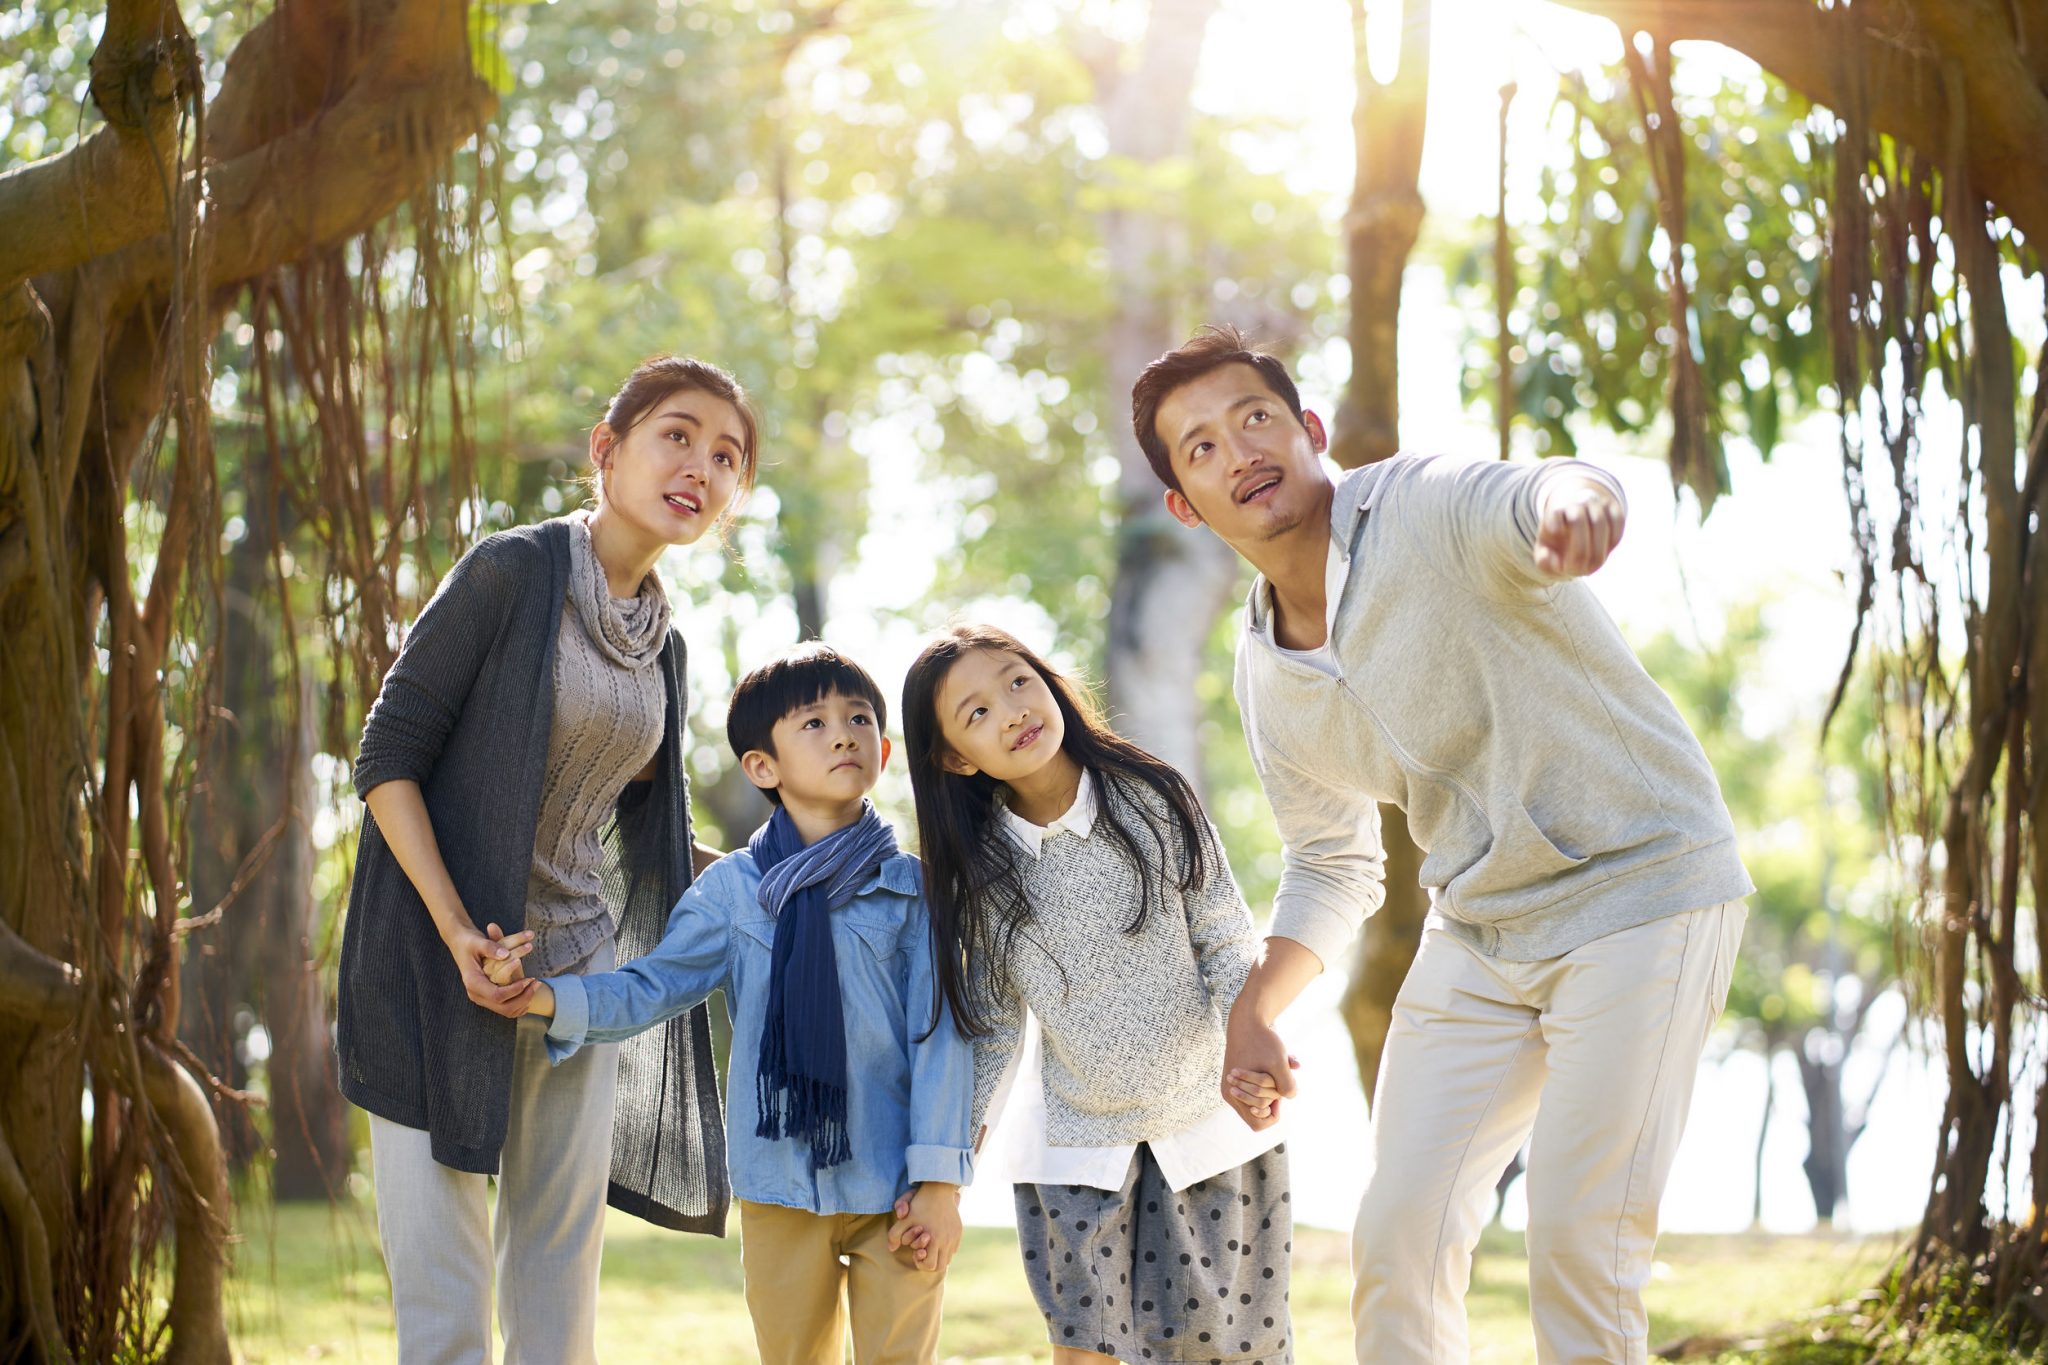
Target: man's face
pixel 1246 467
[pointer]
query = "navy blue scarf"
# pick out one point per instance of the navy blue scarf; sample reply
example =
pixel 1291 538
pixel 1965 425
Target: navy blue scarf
pixel 800 1086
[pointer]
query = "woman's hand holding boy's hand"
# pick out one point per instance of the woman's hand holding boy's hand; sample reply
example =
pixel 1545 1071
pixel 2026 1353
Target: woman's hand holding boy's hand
pixel 475 957
pixel 928 1221
pixel 506 970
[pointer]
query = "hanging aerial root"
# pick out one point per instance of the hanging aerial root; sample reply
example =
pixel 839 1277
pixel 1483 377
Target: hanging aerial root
pixel 199 1197
pixel 30 1242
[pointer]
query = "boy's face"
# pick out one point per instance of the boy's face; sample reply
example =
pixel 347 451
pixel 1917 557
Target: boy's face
pixel 1246 467
pixel 827 754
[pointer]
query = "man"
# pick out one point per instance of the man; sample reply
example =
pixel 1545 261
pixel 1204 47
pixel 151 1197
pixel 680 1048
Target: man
pixel 1417 634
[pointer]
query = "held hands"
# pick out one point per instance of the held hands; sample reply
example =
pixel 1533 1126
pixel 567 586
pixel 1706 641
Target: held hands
pixel 1256 1093
pixel 1581 524
pixel 928 1222
pixel 477 955
pixel 1258 1071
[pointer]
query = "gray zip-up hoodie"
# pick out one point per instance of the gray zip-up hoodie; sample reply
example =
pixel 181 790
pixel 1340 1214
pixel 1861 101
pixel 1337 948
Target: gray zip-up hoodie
pixel 1554 789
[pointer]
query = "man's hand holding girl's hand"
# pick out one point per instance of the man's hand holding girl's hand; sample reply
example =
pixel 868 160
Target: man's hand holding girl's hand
pixel 928 1222
pixel 1256 1094
pixel 1258 1070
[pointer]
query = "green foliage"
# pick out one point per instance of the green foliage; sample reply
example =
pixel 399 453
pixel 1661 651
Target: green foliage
pixel 1811 822
pixel 1592 307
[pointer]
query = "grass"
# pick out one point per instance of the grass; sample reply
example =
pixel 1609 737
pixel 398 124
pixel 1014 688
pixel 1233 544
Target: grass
pixel 309 1286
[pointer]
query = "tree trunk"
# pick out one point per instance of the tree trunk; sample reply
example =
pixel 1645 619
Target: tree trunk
pixel 1827 1147
pixel 1380 229
pixel 1763 1133
pixel 328 116
pixel 1380 233
pixel 1171 586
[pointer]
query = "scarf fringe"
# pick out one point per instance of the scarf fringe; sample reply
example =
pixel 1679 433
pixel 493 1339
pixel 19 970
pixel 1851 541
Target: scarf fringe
pixel 805 1107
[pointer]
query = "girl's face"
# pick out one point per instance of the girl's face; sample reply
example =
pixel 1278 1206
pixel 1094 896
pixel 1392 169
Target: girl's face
pixel 677 470
pixel 997 716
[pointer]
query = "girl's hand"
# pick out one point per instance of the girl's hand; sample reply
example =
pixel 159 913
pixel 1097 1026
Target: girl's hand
pixel 1256 1092
pixel 473 953
pixel 935 1211
pixel 904 1233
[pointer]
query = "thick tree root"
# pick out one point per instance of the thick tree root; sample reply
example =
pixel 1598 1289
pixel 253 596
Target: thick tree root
pixel 197 1317
pixel 30 1241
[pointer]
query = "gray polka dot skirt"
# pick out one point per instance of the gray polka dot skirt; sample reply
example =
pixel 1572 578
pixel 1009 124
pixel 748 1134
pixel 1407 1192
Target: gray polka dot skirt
pixel 1144 1274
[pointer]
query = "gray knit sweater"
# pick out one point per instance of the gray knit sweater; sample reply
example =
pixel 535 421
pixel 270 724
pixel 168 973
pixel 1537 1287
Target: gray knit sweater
pixel 1555 789
pixel 1132 1023
pixel 608 712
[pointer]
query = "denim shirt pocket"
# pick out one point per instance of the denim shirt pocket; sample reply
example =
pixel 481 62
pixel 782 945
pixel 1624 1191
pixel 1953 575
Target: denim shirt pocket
pixel 883 937
pixel 757 929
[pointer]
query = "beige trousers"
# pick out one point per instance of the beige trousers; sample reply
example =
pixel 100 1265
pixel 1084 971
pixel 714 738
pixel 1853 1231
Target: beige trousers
pixel 440 1242
pixel 1591 1056
pixel 800 1292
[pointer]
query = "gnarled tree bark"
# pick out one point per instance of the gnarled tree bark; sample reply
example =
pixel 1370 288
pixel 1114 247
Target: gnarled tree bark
pixel 112 284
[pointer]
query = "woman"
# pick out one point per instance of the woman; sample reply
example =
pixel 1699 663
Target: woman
pixel 524 773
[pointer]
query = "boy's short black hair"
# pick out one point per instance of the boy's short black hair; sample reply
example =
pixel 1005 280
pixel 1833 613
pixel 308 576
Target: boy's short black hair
pixel 804 675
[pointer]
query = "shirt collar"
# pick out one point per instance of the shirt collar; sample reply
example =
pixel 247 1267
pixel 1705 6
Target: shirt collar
pixel 1336 565
pixel 900 872
pixel 1078 819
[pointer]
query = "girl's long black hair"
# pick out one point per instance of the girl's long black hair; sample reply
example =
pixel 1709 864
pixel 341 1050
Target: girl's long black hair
pixel 972 883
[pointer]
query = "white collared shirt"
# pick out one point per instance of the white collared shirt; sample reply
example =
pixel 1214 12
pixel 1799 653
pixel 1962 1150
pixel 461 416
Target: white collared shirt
pixel 1217 1142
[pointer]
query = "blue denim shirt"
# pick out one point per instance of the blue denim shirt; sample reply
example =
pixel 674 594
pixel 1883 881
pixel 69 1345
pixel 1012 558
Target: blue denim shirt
pixel 909 1102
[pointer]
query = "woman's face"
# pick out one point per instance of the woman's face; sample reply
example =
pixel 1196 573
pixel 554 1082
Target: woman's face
pixel 677 470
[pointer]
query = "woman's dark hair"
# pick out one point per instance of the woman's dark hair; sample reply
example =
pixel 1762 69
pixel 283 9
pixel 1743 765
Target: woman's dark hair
pixel 971 878
pixel 656 377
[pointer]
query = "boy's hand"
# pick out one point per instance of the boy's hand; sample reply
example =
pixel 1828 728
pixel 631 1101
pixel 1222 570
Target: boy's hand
pixel 1257 1093
pixel 475 954
pixel 928 1219
pixel 542 1001
pixel 505 970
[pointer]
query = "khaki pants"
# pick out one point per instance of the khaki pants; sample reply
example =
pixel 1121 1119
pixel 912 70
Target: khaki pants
pixel 800 1293
pixel 1595 1052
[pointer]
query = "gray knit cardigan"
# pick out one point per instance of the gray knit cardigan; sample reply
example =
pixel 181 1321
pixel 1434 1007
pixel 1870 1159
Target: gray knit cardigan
pixel 465 712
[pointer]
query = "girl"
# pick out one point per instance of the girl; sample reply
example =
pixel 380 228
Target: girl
pixel 1091 937
pixel 523 767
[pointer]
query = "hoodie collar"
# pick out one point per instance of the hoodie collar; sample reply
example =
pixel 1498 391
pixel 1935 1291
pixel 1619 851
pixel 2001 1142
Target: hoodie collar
pixel 1355 490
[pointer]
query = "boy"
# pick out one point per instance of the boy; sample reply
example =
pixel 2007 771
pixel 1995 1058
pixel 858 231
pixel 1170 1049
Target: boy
pixel 848 1083
pixel 1417 634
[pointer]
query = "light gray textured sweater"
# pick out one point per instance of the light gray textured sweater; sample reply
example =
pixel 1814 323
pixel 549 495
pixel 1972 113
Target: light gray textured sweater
pixel 608 716
pixel 1554 788
pixel 1132 1024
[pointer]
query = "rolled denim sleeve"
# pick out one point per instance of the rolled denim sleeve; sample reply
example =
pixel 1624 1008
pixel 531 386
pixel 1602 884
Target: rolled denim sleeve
pixel 941 1073
pixel 691 961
